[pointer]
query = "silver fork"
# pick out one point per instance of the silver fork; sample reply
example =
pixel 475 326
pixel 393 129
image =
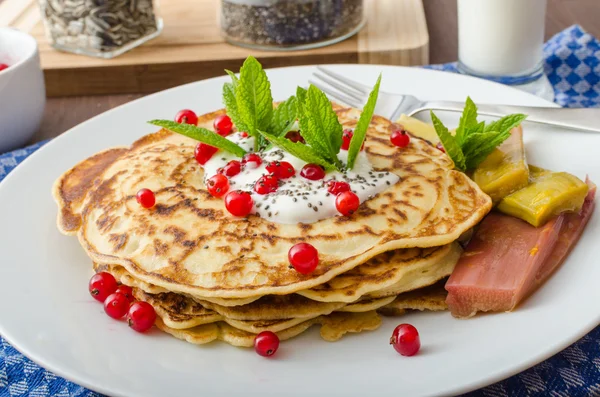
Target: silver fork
pixel 392 105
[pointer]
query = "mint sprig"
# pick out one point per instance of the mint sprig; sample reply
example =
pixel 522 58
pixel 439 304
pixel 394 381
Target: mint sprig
pixel 202 135
pixel 474 140
pixel 249 103
pixel 360 132
pixel 320 126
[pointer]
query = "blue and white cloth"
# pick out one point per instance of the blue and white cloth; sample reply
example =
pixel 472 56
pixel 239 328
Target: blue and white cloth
pixel 573 68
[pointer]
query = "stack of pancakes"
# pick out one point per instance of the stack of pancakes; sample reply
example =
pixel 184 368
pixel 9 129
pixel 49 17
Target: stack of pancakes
pixel 213 276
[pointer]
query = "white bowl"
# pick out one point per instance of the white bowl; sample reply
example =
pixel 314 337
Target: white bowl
pixel 22 89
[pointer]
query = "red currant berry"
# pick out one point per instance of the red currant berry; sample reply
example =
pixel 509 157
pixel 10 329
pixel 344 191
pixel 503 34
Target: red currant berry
pixel 347 203
pixel 281 169
pixel 441 147
pixel 244 134
pixel 101 285
pixel 217 185
pixel 405 340
pixel 400 138
pixel 266 184
pixel 116 305
pixel 347 138
pixel 337 187
pixel 141 316
pixel 294 136
pixel 266 343
pixel 127 291
pixel 314 172
pixel 238 203
pixel 223 125
pixel 232 168
pixel 3 66
pixel 303 257
pixel 146 198
pixel 251 160
pixel 204 152
pixel 186 116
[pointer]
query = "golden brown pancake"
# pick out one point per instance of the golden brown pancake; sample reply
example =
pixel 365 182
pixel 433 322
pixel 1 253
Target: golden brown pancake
pixel 432 298
pixel 333 327
pixel 189 244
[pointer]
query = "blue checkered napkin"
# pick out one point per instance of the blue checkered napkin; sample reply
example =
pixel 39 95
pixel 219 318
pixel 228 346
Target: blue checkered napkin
pixel 572 66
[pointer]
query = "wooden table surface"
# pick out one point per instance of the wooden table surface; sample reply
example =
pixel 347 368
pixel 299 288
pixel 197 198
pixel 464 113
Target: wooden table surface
pixel 64 113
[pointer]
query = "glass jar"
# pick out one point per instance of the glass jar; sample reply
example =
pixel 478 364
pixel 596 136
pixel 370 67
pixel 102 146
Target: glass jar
pixel 290 24
pixel 100 28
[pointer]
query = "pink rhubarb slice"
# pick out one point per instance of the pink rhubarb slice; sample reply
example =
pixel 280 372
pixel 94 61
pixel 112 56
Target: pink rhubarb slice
pixel 507 259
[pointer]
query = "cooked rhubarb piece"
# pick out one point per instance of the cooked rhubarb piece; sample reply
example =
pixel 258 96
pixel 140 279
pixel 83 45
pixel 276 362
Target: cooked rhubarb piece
pixel 507 259
pixel 505 170
pixel 548 195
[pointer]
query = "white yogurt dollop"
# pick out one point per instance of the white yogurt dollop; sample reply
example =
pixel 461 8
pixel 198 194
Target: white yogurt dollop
pixel 298 200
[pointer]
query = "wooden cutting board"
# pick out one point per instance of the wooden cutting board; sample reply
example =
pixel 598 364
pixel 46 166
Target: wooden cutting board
pixel 191 48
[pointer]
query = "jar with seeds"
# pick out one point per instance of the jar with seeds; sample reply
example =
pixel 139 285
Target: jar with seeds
pixel 100 28
pixel 290 24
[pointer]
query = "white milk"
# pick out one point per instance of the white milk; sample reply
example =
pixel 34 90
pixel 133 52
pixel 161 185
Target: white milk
pixel 501 37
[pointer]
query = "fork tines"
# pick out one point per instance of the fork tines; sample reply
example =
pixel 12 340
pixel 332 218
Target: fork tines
pixel 340 87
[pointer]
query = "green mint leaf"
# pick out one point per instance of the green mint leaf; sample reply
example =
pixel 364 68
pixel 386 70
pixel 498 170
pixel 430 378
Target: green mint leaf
pixel 202 135
pixel 479 128
pixel 301 94
pixel 475 142
pixel 254 99
pixel 234 78
pixel 451 146
pixel 468 121
pixel 506 123
pixel 360 132
pixel 284 117
pixel 299 150
pixel 320 126
pixel 478 146
pixel 231 106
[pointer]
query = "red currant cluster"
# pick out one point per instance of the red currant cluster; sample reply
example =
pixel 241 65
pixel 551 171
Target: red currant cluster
pixel 119 302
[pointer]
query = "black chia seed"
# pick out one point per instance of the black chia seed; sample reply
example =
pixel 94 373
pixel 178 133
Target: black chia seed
pixel 288 23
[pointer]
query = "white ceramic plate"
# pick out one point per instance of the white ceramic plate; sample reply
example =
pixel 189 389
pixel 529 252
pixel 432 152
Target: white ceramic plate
pixel 47 313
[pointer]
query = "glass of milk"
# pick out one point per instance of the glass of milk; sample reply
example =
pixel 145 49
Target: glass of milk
pixel 502 40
